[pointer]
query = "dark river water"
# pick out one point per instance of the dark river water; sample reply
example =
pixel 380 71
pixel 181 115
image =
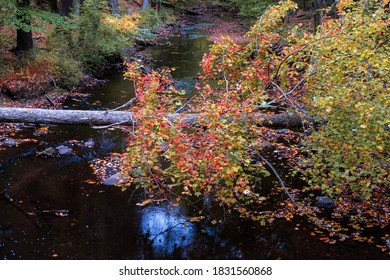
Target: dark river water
pixel 102 223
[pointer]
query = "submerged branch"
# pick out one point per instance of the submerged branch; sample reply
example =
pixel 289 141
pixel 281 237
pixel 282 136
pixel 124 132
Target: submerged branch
pixel 29 215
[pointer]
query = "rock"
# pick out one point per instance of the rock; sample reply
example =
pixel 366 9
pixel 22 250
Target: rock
pixel 282 131
pixel 353 212
pixel 64 150
pixel 266 144
pixel 47 152
pixel 325 202
pixel 10 142
pixel 358 199
pixel 40 132
pixel 89 143
pixel 144 42
pixel 387 241
pixel 115 180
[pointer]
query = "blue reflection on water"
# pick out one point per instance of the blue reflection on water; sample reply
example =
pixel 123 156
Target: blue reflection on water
pixel 166 230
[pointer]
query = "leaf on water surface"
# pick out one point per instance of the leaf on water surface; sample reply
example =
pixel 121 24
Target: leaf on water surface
pixel 144 203
pixel 89 181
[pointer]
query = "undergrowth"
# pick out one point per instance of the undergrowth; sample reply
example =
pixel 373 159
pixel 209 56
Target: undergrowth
pixel 82 44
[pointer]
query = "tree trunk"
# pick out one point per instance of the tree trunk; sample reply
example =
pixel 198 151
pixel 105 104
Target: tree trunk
pixel 77 5
pixel 318 5
pixel 24 38
pixel 83 117
pixel 48 3
pixel 156 4
pixel 77 117
pixel 159 5
pixel 54 6
pixel 316 14
pixel 65 7
pixel 115 7
pixel 145 4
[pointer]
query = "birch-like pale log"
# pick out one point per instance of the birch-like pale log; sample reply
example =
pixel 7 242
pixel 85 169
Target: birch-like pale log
pixel 101 118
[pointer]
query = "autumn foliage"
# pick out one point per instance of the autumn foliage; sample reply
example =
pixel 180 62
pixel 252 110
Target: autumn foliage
pixel 30 80
pixel 336 80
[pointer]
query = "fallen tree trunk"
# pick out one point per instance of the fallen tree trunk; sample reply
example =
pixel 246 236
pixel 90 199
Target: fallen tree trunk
pixel 76 117
pixel 101 118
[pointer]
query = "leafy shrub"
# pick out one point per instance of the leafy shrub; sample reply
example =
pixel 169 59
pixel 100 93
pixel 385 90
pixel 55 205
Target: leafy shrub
pixel 31 80
pixel 95 41
pixel 126 25
pixel 67 70
pixel 167 15
pixel 87 41
pixel 149 19
pixel 96 47
pixel 252 8
pixel 349 91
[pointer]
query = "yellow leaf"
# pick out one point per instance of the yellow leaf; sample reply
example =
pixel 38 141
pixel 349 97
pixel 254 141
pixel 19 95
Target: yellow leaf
pixel 144 202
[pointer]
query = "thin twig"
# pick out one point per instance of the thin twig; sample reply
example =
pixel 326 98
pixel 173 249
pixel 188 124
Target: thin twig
pixel 124 129
pixel 287 98
pixel 150 169
pixel 54 82
pixel 280 180
pixel 182 136
pixel 293 104
pixel 50 100
pixel 297 85
pixel 28 215
pixel 168 229
pixel 291 91
pixel 127 104
pixel 298 51
pixel 185 104
pixel 108 126
pixel 313 219
pixel 226 80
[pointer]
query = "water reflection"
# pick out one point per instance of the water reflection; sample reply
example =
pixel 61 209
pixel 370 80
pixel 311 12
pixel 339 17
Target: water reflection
pixel 183 52
pixel 166 230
